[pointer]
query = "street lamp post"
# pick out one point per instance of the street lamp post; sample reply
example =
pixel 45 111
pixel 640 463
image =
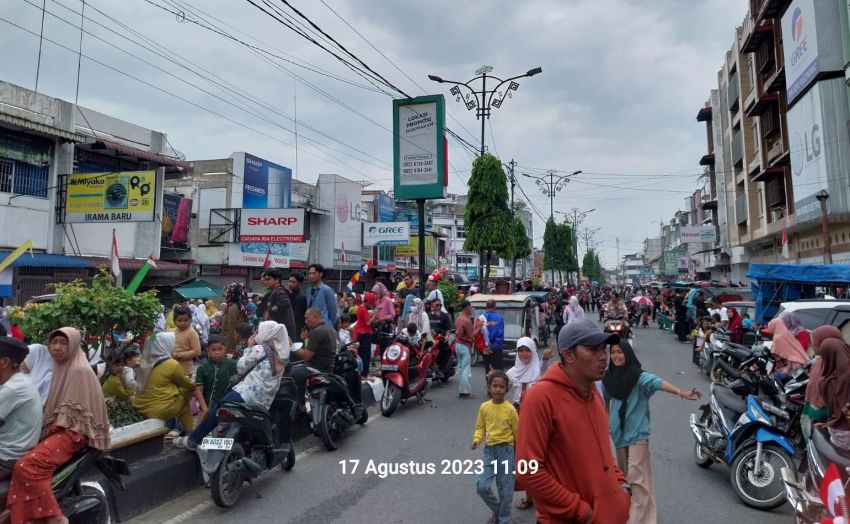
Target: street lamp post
pixel 483 101
pixel 550 188
pixel 822 197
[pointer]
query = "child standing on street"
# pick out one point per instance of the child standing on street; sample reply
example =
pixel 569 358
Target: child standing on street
pixel 497 421
pixel 213 376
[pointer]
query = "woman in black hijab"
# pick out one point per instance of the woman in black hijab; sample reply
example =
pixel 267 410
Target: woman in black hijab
pixel 628 388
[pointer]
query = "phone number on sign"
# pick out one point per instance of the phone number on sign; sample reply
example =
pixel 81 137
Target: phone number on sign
pixel 444 467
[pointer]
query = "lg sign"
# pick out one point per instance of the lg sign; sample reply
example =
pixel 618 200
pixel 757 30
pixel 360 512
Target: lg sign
pixel 272 225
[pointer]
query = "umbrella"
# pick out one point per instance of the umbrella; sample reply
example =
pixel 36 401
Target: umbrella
pixel 643 301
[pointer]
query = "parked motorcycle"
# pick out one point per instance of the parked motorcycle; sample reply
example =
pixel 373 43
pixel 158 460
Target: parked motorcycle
pixel 803 487
pixel 248 441
pixel 84 502
pixel 331 405
pixel 449 368
pixel 758 445
pixel 406 373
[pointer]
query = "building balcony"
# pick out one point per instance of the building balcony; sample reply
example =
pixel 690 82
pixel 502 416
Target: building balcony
pixel 760 104
pixel 757 34
pixel 733 93
pixel 708 202
pixel 767 174
pixel 741 210
pixel 737 149
pixel 763 10
pixel 704 114
pixel 707 160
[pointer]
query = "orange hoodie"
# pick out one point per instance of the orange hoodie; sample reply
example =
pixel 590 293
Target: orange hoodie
pixel 566 432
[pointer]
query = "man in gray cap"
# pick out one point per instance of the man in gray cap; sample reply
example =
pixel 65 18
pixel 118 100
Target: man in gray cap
pixel 563 430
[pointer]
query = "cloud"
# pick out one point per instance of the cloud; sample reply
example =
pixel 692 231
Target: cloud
pixel 621 83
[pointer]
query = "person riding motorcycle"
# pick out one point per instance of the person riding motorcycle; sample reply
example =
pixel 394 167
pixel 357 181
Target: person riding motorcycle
pixel 615 309
pixel 441 324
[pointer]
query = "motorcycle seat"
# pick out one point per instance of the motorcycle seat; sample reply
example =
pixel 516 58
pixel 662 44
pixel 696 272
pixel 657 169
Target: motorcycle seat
pixel 728 399
pixel 246 407
pixel 4 490
pixel 737 351
pixel 825 448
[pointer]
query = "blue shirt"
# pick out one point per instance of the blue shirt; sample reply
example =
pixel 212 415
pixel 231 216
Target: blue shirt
pixel 323 299
pixel 637 412
pixel 496 333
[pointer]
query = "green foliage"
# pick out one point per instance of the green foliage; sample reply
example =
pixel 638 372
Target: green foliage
pixel 487 215
pixel 565 239
pixel 550 248
pixel 558 247
pixel 449 291
pixel 518 245
pixel 95 310
pixel 591 267
pixel 121 413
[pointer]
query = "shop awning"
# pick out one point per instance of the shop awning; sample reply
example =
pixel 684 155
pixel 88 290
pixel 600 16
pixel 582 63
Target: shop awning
pixel 47 260
pixel 134 264
pixel 123 150
pixel 42 129
pixel 199 289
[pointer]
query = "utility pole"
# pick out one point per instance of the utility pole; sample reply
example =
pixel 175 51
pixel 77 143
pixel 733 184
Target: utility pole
pixel 511 166
pixel 822 197
pixel 617 267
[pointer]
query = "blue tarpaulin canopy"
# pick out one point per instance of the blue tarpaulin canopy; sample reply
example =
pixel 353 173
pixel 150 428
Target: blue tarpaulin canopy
pixel 46 260
pixel 837 274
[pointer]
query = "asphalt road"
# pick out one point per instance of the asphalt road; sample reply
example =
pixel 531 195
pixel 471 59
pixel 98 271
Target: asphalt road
pixel 319 490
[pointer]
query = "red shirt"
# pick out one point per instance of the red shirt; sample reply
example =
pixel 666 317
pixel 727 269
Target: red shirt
pixel 362 327
pixel 463 330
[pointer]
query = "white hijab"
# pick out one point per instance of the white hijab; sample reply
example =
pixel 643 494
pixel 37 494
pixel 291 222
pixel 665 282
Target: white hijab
pixel 157 347
pixel 270 330
pixel 525 373
pixel 40 364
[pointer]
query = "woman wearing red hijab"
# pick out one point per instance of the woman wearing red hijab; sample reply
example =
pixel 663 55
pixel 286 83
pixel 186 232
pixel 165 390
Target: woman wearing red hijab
pixel 363 331
pixel 736 326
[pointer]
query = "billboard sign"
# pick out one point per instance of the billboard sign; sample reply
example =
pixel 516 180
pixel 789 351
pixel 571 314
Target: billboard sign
pixel 266 185
pixel 253 254
pixel 419 147
pixel 347 250
pixel 272 225
pixel 128 196
pixel 176 214
pixel 385 212
pixel 412 248
pixel 697 234
pixel 386 233
pixel 810 30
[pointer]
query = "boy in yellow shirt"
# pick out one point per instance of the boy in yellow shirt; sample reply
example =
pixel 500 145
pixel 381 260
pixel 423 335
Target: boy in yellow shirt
pixel 497 420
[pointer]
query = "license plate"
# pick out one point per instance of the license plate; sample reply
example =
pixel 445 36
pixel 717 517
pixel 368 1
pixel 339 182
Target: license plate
pixel 389 368
pixel 223 444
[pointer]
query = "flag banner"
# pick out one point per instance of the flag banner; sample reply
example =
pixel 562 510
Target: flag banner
pixel 141 274
pixel 16 254
pixel 357 276
pixel 785 254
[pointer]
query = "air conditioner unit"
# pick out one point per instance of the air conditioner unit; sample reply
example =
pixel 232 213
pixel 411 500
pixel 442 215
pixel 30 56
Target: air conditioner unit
pixel 777 214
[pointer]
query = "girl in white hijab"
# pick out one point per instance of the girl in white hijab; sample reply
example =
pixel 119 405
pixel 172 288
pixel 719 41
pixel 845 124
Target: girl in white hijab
pixel 526 371
pixel 573 311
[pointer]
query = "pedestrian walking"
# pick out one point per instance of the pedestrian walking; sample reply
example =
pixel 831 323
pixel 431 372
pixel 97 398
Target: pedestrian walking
pixel 495 337
pixel 497 423
pixel 524 375
pixel 628 389
pixel 573 311
pixel 465 334
pixel 562 436
pixel 363 332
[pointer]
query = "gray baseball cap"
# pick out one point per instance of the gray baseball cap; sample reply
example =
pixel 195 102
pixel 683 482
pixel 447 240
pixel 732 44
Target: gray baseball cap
pixel 586 333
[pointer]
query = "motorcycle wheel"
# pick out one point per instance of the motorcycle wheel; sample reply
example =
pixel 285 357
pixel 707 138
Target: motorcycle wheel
pixel 226 482
pixel 390 400
pixel 474 358
pixel 289 463
pixel 702 458
pixel 328 431
pixel 364 417
pixel 767 491
pixel 104 514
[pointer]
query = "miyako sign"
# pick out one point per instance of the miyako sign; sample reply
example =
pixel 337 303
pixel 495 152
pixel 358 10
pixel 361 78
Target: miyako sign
pixel 272 225
pixel 111 197
pixel 386 233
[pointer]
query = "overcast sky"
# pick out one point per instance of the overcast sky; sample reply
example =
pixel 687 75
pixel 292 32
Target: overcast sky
pixel 621 85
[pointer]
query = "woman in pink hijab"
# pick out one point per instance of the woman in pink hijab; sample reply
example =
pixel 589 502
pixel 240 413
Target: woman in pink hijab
pixel 789 353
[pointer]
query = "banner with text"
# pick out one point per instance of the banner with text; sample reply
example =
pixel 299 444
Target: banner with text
pixel 386 233
pixel 111 197
pixel 419 147
pixel 253 254
pixel 697 234
pixel 272 225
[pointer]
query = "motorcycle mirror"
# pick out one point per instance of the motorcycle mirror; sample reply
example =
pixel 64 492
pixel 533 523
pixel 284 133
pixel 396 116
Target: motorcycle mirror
pixel 296 346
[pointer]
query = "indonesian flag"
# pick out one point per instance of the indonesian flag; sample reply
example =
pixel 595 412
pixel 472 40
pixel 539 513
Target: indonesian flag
pixel 785 253
pixel 342 254
pixel 113 259
pixel 832 494
pixel 268 262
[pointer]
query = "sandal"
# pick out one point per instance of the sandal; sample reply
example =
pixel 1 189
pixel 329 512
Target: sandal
pixel 524 503
pixel 183 442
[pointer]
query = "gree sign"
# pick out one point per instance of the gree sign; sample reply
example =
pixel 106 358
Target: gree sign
pixel 272 225
pixel 386 233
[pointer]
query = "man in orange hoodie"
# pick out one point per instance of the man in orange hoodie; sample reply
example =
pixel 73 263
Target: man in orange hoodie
pixel 563 430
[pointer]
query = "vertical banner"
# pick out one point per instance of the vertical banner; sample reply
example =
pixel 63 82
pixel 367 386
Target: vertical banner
pixel 266 185
pixel 419 148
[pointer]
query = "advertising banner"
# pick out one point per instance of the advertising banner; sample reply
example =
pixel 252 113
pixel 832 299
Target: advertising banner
pixel 697 234
pixel 810 30
pixel 176 214
pixel 386 233
pixel 272 225
pixel 418 147
pixel 253 254
pixel 266 185
pixel 385 212
pixel 412 249
pixel 407 212
pixel 347 250
pixel 128 196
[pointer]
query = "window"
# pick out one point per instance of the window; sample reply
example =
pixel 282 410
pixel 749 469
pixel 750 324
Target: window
pixel 460 232
pixel 465 259
pixel 23 179
pixel 6 168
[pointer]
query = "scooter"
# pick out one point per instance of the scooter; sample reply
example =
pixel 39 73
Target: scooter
pixel 84 502
pixel 249 440
pixel 803 487
pixel 406 373
pixel 331 405
pixel 449 368
pixel 756 447
pixel 618 325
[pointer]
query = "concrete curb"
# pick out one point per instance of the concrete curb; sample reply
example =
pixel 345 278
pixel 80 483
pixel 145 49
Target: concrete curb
pixel 159 474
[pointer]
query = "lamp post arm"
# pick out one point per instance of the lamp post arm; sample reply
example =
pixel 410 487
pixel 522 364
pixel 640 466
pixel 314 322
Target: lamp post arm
pixel 492 93
pixel 466 85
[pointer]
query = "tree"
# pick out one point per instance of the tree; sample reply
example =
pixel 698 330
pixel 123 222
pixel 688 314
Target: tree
pixel 517 247
pixel 487 215
pixel 550 247
pixel 591 267
pixel 566 261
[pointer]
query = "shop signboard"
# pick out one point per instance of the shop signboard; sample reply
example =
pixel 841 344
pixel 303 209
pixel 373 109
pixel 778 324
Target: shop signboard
pixel 385 212
pixel 810 32
pixel 697 234
pixel 128 196
pixel 386 233
pixel 266 185
pixel 419 147
pixel 412 249
pixel 253 254
pixel 272 225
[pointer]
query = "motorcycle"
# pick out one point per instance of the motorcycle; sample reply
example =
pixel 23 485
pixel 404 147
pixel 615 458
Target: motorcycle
pixel 803 491
pixel 249 440
pixel 449 368
pixel 758 445
pixel 84 502
pixel 406 373
pixel 331 405
pixel 617 324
